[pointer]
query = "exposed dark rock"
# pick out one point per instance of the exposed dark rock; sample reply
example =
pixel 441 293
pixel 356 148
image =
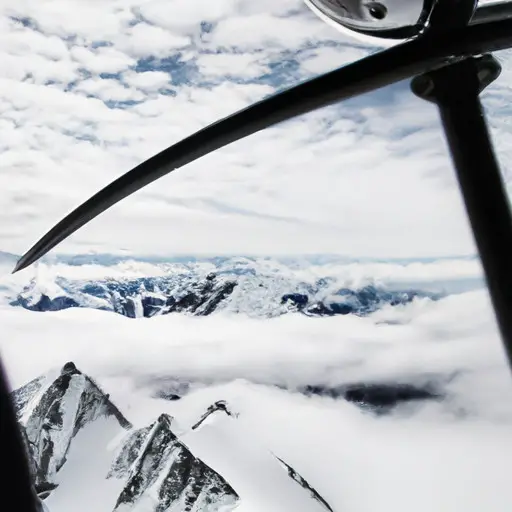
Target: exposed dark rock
pixel 166 395
pixel 158 464
pixel 299 300
pixel 345 301
pixel 386 395
pixel 23 395
pixel 203 298
pixel 129 452
pixel 51 416
pixel 69 369
pixel 304 483
pixel 45 303
pixel 167 388
pixel 377 396
pixel 151 305
pixel 220 405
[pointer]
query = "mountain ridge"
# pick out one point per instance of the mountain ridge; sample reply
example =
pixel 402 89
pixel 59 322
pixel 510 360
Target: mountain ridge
pixel 152 296
pixel 155 467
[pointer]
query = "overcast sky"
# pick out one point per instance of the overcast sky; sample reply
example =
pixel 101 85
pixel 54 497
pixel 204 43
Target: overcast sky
pixel 90 88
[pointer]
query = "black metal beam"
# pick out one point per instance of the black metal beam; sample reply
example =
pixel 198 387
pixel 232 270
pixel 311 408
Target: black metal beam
pixel 492 12
pixel 455 90
pixel 16 480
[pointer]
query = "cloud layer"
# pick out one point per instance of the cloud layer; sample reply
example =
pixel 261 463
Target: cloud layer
pixel 418 343
pixel 90 89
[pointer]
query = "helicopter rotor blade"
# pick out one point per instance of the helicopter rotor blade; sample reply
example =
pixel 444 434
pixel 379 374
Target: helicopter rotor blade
pixel 366 75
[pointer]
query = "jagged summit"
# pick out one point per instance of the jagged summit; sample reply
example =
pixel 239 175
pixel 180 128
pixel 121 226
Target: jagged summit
pixel 52 412
pixel 69 369
pixel 156 464
pixel 220 405
pixel 165 419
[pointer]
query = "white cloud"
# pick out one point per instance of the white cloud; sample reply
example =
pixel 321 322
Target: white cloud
pixel 108 90
pixel 322 60
pixel 143 40
pixel 267 30
pixel 349 179
pixel 88 20
pixel 245 65
pixel 102 59
pixel 147 80
pixel 42 71
pixel 182 16
pixel 17 40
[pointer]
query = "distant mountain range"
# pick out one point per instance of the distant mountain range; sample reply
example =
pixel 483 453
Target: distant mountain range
pixel 236 285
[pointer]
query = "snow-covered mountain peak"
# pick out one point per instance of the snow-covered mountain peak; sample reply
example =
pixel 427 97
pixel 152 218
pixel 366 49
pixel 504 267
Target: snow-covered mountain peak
pixel 162 474
pixel 69 425
pixel 53 411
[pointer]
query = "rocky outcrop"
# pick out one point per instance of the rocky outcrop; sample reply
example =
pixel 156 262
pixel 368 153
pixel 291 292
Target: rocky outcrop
pixel 305 484
pixel 52 413
pixel 219 406
pixel 162 473
pixel 345 301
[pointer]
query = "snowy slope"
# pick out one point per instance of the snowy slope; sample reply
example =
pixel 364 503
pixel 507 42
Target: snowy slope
pixel 263 483
pixel 83 485
pixel 206 467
